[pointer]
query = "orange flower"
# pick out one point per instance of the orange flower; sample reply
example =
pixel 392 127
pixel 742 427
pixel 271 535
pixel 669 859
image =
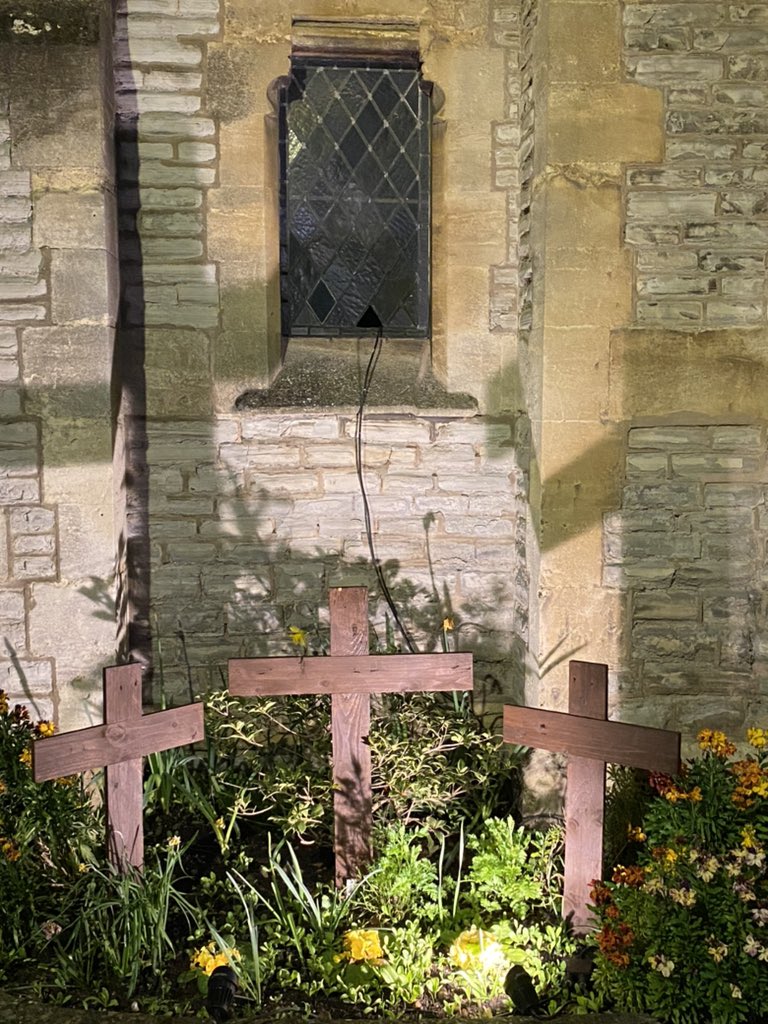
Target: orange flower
pixel 600 894
pixel 715 742
pixel 633 876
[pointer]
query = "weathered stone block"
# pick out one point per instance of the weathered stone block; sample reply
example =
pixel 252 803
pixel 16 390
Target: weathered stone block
pixel 645 465
pixel 76 357
pixel 33 567
pixel 700 149
pixel 659 69
pixel 73 220
pixel 178 224
pixel 668 605
pixel 731 495
pixel 705 464
pixel 171 198
pixel 36 679
pixel 730 40
pixel 16 238
pixel 729 607
pixel 671 284
pixel 172 250
pixel 750 66
pixel 81 289
pixel 686 642
pixel 713 262
pixel 734 312
pixel 34 520
pixel 171 52
pixel 651 206
pixel 680 313
pixel 672 495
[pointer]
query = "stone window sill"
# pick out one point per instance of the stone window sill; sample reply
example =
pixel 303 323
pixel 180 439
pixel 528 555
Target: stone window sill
pixel 327 374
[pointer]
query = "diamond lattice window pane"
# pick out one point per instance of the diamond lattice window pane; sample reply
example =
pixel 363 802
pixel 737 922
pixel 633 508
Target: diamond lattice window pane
pixel 355 197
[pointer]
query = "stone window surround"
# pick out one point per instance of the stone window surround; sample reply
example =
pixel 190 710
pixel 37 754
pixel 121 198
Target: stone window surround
pixel 416 357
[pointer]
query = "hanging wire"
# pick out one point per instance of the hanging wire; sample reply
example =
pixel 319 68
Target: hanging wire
pixel 383 585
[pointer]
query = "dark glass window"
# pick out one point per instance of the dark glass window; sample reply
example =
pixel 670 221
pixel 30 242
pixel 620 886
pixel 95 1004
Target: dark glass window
pixel 355 197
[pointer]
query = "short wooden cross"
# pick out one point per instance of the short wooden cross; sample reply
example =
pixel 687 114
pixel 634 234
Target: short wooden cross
pixel 350 675
pixel 590 741
pixel 119 746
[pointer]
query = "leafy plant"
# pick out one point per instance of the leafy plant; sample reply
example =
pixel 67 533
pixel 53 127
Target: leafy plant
pixel 404 886
pixel 48 832
pixel 683 932
pixel 123 927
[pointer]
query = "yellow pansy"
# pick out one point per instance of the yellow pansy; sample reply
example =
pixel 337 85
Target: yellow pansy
pixel 363 944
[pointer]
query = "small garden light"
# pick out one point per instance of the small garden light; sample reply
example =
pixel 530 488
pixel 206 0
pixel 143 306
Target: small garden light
pixel 222 986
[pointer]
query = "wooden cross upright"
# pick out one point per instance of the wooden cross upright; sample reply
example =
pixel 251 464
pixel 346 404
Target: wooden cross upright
pixel 591 741
pixel 119 746
pixel 350 675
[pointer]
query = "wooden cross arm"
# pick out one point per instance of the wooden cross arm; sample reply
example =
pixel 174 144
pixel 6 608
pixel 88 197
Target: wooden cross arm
pixel 100 745
pixel 369 673
pixel 613 742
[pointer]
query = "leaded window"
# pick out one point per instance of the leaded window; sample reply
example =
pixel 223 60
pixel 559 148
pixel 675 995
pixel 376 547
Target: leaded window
pixel 355 197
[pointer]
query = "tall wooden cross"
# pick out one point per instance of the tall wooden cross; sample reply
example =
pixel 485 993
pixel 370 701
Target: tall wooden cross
pixel 119 746
pixel 591 741
pixel 350 675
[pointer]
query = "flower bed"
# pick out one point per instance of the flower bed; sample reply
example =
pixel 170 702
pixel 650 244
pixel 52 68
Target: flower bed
pixel 684 931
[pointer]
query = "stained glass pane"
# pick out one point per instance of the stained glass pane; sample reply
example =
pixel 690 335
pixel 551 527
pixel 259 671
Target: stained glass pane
pixel 355 190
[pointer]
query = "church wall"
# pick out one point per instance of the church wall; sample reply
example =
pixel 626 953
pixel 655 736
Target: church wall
pixel 57 314
pixel 648 340
pixel 252 513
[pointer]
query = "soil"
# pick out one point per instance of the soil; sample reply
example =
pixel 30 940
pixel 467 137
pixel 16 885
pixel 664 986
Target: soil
pixel 17 1010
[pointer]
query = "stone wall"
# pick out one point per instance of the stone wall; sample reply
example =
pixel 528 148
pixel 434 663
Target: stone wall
pixel 698 221
pixel 254 519
pixel 57 297
pixel 686 547
pixel 248 518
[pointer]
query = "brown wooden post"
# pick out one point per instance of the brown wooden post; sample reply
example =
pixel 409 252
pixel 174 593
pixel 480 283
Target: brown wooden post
pixel 585 795
pixel 350 724
pixel 119 746
pixel 589 739
pixel 350 675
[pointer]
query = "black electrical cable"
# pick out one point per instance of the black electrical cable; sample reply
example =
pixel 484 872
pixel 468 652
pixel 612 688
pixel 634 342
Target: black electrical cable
pixel 383 586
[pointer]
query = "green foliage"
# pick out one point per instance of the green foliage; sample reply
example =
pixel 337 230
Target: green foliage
pixel 684 934
pixel 48 833
pixel 404 885
pixel 504 876
pixel 120 933
pixel 626 803
pixel 438 764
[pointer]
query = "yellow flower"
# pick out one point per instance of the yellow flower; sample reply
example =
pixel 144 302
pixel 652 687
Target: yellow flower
pixel 362 944
pixel 757 738
pixel 207 959
pixel 748 838
pixel 477 949
pixel 3 702
pixel 635 834
pixel 298 636
pixel 26 757
pixel 716 742
pixel 174 842
pixel 45 728
pixel 83 868
pixel 718 952
pixel 219 824
pixel 10 849
pixel 448 625
pixel 685 897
